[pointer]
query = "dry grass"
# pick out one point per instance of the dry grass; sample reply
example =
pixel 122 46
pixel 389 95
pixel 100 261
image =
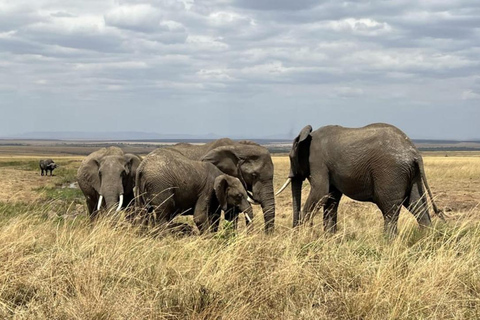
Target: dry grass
pixel 56 268
pixel 21 177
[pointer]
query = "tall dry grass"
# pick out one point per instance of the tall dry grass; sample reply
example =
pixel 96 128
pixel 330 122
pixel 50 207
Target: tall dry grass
pixel 55 268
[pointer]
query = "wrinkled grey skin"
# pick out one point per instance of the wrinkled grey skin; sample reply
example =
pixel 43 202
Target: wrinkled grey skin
pixel 376 163
pixel 246 160
pixel 47 165
pixel 107 172
pixel 171 184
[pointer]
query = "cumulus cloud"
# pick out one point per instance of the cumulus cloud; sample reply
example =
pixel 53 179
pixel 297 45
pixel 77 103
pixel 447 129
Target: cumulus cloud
pixel 141 17
pixel 361 26
pixel 211 59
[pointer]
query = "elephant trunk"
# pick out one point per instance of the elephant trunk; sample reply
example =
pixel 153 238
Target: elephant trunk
pixel 268 208
pixel 114 200
pixel 264 194
pixel 297 199
pixel 247 210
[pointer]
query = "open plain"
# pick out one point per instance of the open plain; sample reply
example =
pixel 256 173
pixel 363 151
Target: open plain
pixel 55 265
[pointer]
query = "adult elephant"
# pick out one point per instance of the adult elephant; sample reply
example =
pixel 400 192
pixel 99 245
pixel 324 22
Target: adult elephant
pixel 376 163
pixel 108 174
pixel 170 184
pixel 245 160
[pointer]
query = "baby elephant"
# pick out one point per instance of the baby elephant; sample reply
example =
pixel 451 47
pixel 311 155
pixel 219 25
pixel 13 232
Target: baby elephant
pixel 47 165
pixel 170 184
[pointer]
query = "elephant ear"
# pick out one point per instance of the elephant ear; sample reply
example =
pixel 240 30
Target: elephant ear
pixel 299 165
pixel 225 158
pixel 89 174
pixel 132 163
pixel 220 187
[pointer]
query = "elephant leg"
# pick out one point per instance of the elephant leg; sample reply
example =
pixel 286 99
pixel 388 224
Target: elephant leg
pixel 163 212
pixel 391 212
pixel 330 210
pixel 42 172
pixel 214 220
pixel 91 206
pixel 316 199
pixel 417 203
pixel 200 215
pixel 94 214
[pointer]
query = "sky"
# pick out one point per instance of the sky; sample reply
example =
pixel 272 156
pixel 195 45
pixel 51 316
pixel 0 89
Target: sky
pixel 249 68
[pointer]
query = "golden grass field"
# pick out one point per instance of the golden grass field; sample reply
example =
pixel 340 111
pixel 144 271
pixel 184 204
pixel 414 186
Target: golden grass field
pixel 55 265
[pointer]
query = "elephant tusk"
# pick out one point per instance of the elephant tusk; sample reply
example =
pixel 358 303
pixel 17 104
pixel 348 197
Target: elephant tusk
pixel 120 203
pixel 99 205
pixel 248 218
pixel 284 186
pixel 251 200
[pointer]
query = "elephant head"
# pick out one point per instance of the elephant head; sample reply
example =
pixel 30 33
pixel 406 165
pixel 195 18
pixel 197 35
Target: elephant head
pixel 112 177
pixel 232 197
pixel 253 166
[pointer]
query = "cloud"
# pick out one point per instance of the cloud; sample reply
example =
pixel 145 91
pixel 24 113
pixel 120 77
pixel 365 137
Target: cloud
pixel 275 4
pixel 470 95
pixel 172 58
pixel 139 17
pixel 367 27
pixel 348 92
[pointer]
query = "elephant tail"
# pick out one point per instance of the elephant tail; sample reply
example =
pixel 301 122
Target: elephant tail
pixel 421 169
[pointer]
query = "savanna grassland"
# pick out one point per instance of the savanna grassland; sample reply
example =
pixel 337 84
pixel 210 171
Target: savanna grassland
pixel 55 265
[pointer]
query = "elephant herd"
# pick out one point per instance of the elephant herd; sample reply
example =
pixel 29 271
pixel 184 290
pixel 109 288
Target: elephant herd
pixel 377 163
pixel 198 180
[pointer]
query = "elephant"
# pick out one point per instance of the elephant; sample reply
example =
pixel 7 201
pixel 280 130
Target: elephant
pixel 108 174
pixel 246 160
pixel 377 163
pixel 171 184
pixel 47 165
